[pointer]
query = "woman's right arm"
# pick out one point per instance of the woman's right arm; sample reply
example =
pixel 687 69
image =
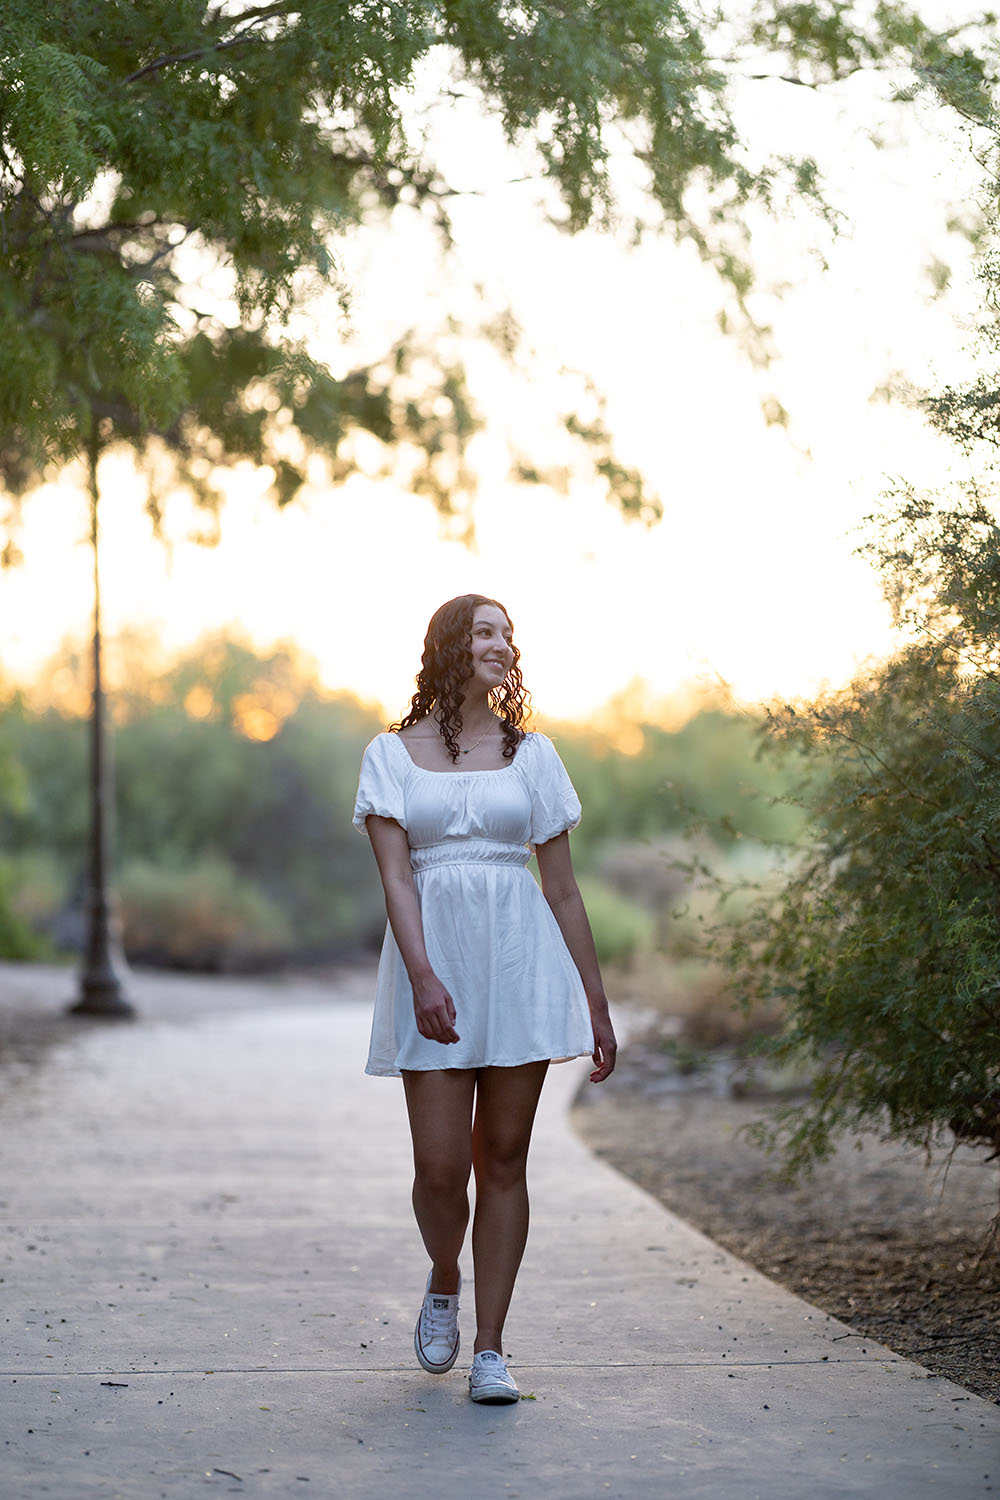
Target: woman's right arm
pixel 433 1007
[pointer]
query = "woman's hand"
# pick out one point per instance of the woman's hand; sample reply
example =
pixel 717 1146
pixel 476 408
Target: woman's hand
pixel 434 1009
pixel 605 1047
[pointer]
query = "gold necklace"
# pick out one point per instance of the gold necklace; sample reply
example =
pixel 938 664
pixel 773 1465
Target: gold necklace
pixel 478 742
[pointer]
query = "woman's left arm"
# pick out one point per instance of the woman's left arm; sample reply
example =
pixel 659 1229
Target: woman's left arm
pixel 559 887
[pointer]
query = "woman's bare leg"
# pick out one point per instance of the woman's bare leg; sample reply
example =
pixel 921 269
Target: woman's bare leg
pixel 506 1100
pixel 440 1109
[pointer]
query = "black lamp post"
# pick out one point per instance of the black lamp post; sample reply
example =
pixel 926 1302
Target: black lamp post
pixel 101 991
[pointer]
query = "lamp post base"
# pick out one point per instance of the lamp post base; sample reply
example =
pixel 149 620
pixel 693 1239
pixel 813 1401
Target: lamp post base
pixel 101 995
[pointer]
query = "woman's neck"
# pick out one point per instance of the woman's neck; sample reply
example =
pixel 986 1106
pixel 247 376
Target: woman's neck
pixel 477 715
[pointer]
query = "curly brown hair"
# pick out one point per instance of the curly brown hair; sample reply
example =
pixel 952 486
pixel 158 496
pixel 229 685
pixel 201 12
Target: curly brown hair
pixel 446 667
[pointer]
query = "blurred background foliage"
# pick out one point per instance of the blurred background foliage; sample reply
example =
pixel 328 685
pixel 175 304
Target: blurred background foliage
pixel 236 772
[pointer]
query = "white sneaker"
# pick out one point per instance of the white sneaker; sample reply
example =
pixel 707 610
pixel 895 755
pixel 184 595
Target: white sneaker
pixel 435 1337
pixel 490 1380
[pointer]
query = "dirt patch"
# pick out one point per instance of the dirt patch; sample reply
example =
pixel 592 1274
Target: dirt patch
pixel 890 1245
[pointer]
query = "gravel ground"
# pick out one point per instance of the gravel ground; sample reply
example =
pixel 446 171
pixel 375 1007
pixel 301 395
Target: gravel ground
pixel 896 1248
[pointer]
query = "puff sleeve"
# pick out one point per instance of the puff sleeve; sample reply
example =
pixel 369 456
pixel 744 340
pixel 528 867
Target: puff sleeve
pixel 555 807
pixel 380 786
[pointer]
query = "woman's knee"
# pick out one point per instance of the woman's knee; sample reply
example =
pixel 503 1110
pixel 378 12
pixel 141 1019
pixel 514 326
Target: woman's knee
pixel 499 1164
pixel 441 1177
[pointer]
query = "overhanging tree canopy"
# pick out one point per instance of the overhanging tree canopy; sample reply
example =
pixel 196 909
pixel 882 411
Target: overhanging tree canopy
pixel 141 144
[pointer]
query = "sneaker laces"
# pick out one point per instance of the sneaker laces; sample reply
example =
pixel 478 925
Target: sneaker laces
pixel 439 1322
pixel 490 1368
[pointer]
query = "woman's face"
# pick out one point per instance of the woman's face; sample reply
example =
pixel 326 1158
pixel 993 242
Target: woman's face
pixel 490 644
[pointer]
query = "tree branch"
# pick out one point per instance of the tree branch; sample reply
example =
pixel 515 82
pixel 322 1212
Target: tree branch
pixel 256 13
pixel 888 769
pixel 820 83
pixel 170 59
pixel 102 231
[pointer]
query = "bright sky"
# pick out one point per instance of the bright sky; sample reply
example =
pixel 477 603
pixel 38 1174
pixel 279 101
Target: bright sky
pixel 750 577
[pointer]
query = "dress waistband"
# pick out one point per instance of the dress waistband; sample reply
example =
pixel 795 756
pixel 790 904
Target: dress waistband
pixel 468 852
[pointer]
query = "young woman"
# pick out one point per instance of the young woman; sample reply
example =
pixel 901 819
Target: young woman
pixel 484 979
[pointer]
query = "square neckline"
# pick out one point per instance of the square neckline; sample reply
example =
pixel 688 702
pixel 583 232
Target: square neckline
pixel 470 771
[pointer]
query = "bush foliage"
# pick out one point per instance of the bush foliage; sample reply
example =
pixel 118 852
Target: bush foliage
pixel 235 774
pixel 236 777
pixel 206 917
pixel 882 943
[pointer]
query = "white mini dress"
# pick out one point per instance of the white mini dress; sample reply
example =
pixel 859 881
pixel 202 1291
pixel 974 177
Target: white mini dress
pixel 491 936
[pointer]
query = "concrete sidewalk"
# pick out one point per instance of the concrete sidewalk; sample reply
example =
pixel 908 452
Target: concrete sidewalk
pixel 211 1275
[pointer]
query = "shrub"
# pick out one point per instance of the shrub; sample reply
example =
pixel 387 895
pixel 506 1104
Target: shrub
pixel 883 941
pixel 204 917
pixel 620 926
pixel 19 938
